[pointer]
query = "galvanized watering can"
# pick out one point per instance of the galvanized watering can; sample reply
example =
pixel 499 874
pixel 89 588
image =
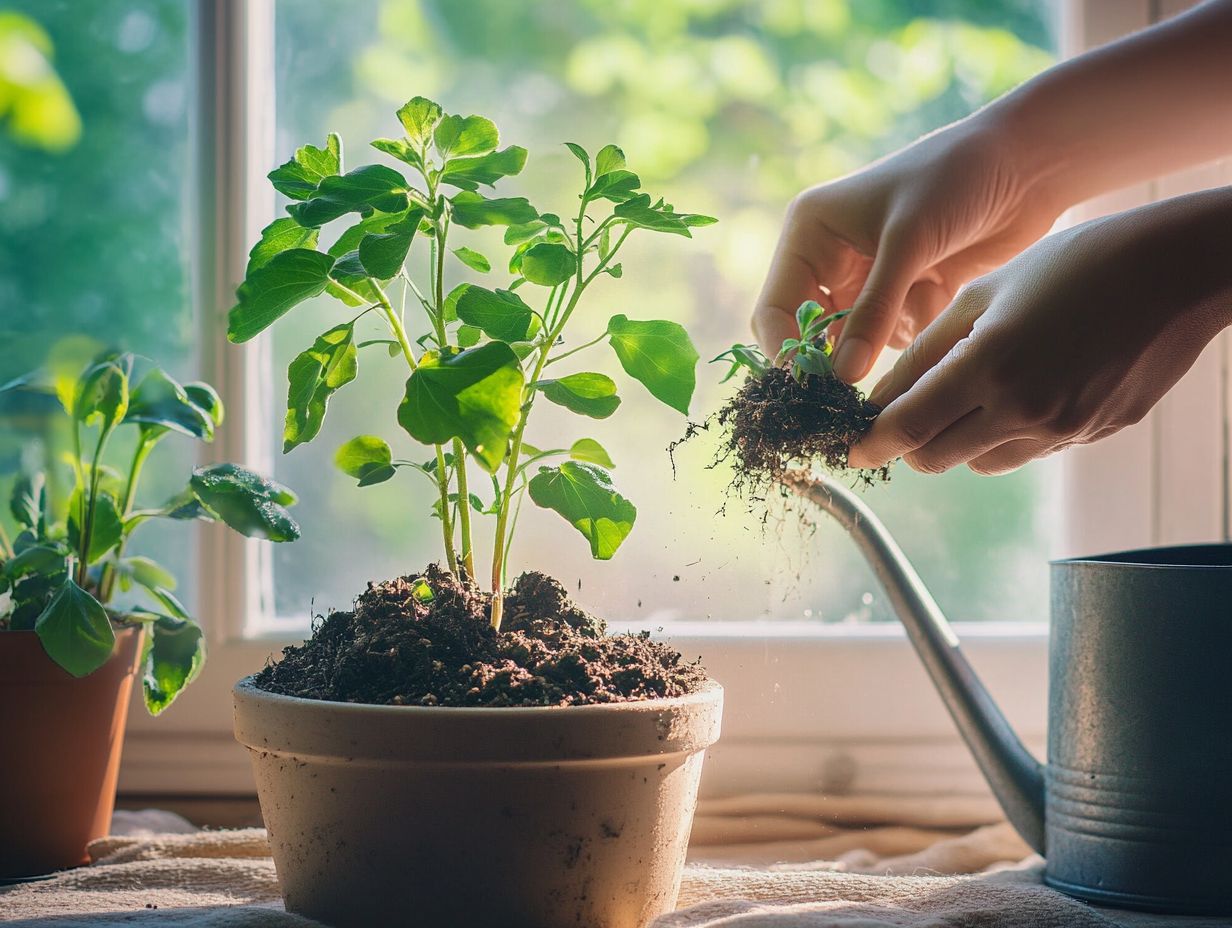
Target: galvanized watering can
pixel 1134 807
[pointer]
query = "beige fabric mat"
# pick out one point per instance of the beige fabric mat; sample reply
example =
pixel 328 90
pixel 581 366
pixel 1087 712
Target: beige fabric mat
pixel 838 862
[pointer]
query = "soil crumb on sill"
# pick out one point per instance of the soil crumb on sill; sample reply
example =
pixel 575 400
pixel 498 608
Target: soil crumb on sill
pixel 426 640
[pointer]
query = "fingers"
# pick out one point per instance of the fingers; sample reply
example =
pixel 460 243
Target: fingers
pixel 876 311
pixel 1012 455
pixel 942 397
pixel 975 434
pixel 946 331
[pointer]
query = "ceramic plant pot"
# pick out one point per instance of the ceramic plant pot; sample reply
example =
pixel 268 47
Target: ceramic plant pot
pixel 518 817
pixel 62 738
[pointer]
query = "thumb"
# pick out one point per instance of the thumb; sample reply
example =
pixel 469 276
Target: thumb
pixel 876 310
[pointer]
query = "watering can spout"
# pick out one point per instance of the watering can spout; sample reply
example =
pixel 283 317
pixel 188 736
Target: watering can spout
pixel 1016 777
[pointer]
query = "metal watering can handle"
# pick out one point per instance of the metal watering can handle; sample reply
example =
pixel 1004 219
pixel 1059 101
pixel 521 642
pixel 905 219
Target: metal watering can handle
pixel 1015 776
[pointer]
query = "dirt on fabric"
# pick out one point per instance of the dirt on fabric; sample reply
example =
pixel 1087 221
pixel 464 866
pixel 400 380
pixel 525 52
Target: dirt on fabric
pixel 775 424
pixel 427 640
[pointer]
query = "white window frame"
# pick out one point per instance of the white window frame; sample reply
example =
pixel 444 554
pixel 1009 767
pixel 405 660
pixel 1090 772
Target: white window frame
pixel 809 707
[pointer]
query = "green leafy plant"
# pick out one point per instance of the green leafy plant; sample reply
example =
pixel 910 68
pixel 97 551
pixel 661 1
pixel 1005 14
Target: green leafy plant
pixel 59 574
pixel 476 374
pixel 808 354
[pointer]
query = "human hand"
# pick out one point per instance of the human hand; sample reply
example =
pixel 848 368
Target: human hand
pixel 1071 341
pixel 897 239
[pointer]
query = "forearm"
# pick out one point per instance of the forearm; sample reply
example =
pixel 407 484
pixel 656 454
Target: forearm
pixel 1151 103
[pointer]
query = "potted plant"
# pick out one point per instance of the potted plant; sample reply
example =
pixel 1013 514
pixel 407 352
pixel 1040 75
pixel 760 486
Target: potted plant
pixel 68 650
pixel 456 749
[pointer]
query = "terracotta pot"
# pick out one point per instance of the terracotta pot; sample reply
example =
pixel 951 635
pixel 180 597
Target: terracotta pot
pixel 523 818
pixel 62 738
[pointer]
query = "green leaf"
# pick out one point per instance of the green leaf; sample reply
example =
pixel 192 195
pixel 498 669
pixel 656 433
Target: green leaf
pixel 366 458
pixel 808 312
pixel 330 364
pixel 299 177
pixel 172 656
pixel 469 173
pixel 279 236
pixel 524 231
pixel 501 314
pixel 106 530
pixel 659 355
pixel 589 394
pixel 616 186
pixel 206 398
pixel 246 501
pixel 271 291
pixel 639 212
pixel 609 159
pixel 615 271
pixel 101 396
pixel 475 395
pixel 419 116
pixel 584 495
pixel 27 501
pixel 473 259
pixel 401 149
pixel 749 357
pixel 590 451
pixel 473 210
pixel 145 572
pixel 458 136
pixel 382 253
pixel 75 630
pixel 372 186
pixel 184 507
pixel 547 264
pixel 37 559
pixel 468 335
pixel 159 403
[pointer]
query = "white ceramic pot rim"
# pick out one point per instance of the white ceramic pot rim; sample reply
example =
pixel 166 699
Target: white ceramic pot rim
pixel 355 731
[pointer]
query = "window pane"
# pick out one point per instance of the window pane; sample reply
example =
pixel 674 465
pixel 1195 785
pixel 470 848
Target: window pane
pixel 93 234
pixel 728 108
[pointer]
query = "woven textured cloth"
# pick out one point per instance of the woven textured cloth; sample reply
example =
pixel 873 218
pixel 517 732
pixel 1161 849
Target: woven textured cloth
pixel 226 879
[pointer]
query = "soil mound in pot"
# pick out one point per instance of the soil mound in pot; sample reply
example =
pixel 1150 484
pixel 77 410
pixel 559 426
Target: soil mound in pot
pixel 776 423
pixel 426 640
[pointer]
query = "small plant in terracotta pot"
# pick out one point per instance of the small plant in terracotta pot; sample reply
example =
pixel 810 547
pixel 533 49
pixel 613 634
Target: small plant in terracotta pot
pixel 468 749
pixel 68 650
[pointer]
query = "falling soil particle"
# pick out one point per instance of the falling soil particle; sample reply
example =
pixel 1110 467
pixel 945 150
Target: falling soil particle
pixel 396 649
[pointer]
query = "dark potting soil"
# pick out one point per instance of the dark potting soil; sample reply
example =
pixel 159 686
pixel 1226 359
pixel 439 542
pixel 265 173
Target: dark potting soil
pixel 775 424
pixel 427 640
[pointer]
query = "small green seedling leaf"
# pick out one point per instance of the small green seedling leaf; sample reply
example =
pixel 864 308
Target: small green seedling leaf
pixel 172 657
pixel 101 396
pixel 372 186
pixel 583 156
pixel 617 186
pixel 75 630
pixel 422 592
pixel 609 159
pixel 548 264
pixel 272 290
pixel 381 253
pixel 158 404
pixel 474 395
pixel 469 173
pixel 461 136
pixel 419 117
pixel 249 503
pixel 639 212
pixel 659 355
pixel 367 458
pixel 590 451
pixel 583 493
pixel 473 210
pixel 588 394
pixel 473 259
pixel 501 314
pixel 299 177
pixel 313 377
pixel 279 236
pixel 743 357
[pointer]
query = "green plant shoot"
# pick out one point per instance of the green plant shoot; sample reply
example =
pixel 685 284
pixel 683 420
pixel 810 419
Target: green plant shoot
pixel 808 354
pixel 60 572
pixel 478 372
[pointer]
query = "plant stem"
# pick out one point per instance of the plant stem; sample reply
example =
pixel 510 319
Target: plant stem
pixel 561 357
pixel 515 448
pixel 106 583
pixel 464 508
pixel 83 569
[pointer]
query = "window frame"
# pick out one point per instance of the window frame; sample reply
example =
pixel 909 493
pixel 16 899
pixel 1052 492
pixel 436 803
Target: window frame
pixel 807 707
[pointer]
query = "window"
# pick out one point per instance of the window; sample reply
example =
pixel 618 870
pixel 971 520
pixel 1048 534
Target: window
pixel 728 106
